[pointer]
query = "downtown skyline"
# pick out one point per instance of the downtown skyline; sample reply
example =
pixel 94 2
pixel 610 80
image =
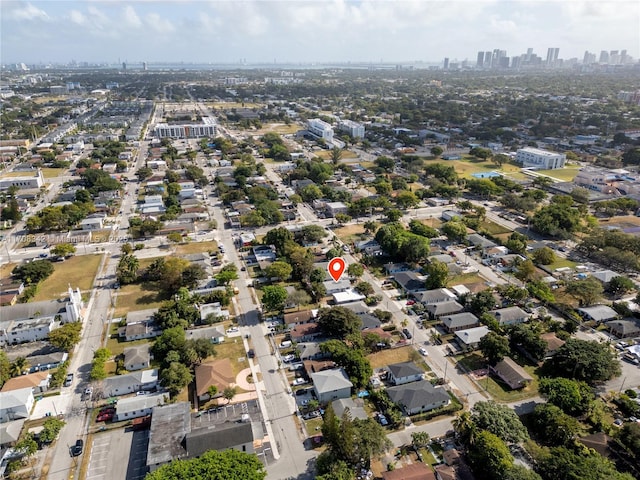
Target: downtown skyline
pixel 255 31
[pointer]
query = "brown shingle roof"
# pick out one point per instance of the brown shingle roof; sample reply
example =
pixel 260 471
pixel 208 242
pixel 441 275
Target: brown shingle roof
pixel 25 381
pixel 218 373
pixel 415 471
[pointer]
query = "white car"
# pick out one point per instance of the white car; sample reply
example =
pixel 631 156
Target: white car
pixel 298 381
pixel 232 330
pixel 423 351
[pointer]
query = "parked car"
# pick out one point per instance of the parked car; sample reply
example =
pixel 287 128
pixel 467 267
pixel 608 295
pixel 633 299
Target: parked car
pixel 299 381
pixel 232 330
pixel 423 351
pixel 251 353
pixel 411 302
pixel 383 420
pixel 103 417
pixel 407 333
pixel 288 358
pixel 69 380
pixel 77 448
pixel 301 392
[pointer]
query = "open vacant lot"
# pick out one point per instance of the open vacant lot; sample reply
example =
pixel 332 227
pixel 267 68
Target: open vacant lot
pixel 77 272
pixel 628 221
pixel 467 166
pixel 195 247
pixel 350 233
pixel 390 356
pixel 279 128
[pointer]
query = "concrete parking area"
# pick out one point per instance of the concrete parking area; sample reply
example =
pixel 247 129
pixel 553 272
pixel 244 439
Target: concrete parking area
pixel 118 454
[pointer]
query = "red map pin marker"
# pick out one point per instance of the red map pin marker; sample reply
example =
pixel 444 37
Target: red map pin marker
pixel 336 268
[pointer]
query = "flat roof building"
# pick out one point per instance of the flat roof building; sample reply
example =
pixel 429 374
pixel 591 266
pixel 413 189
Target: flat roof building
pixel 540 159
pixel 187 130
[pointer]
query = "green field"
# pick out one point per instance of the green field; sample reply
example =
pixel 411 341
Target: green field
pixel 561 263
pixel 77 272
pixel 563 174
pixel 467 166
pixel 493 228
pixel 195 247
pixel 46 173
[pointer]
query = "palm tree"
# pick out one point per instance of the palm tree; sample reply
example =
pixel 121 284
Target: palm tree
pixel 19 366
pixel 463 425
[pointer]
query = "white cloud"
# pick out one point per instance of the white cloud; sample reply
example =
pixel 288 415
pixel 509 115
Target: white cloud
pixel 159 24
pixel 27 12
pixel 131 18
pixel 77 17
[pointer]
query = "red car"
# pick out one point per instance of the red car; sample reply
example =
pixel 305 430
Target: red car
pixel 410 302
pixel 103 417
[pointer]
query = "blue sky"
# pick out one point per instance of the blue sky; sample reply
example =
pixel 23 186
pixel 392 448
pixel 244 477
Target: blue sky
pixel 309 30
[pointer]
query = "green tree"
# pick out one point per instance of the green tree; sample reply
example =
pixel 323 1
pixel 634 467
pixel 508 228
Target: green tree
pixel 525 270
pixel 481 302
pixel 225 277
pixel 63 250
pixel 274 298
pixel 18 367
pixel 213 465
pixel 437 275
pixel 143 173
pixel 553 426
pixel 562 462
pixel 464 427
pixel 278 269
pixel 436 151
pixel 620 285
pixel 352 360
pixel 573 397
pixel 406 199
pixel 500 420
pixel 339 321
pixel 544 256
pixel 589 361
pixel 587 291
pixel 66 337
pixel 5 368
pixel 526 337
pixel 229 393
pixel 420 439
pixel 127 270
pixel 490 456
pixel 50 430
pixel 455 230
pixel 494 347
pixel 336 155
pixel 364 288
pixel 175 377
pixel 33 272
pixel 342 218
pixel 298 297
pixel 27 445
pixel 355 270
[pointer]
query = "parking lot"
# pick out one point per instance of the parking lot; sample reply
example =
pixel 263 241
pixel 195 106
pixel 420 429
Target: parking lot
pixel 127 446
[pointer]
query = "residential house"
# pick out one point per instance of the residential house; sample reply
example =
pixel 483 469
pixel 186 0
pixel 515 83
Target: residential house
pixel 331 384
pixel 92 224
pixel 138 331
pixel 359 308
pixel 142 380
pixel 370 322
pixel 348 296
pixel 38 382
pixel 605 276
pixel 553 343
pixel 405 372
pixel 598 313
pixel 170 424
pixel 48 361
pixel 393 268
pixel 300 317
pixel 439 295
pixel 137 357
pixel 459 321
pixel 479 242
pixel 355 406
pixel 369 247
pixel 445 472
pixel 9 292
pixel 10 433
pixel 305 332
pixel 16 404
pixel 414 471
pixel 418 397
pixel 138 406
pixel 215 334
pixel 310 351
pixel 624 328
pixel 218 373
pixel 437 310
pixel 214 310
pixel 442 258
pixel 510 315
pixel 447 215
pixel 332 286
pixel 469 339
pixel 410 282
pixel 511 373
pixel 335 208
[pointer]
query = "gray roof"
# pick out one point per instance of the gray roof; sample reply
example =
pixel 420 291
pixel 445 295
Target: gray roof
pixel 409 280
pixel 599 312
pixel 404 369
pixel 48 359
pixel 169 426
pixel 330 380
pixel 443 308
pixel 220 437
pixel 205 332
pixel 140 315
pixel 15 398
pixel 308 349
pixel 139 402
pixel 459 320
pixel 358 307
pixel 10 431
pixel 136 354
pixel 416 394
pixel 625 327
pixel 24 311
pixel 370 321
pixel 480 241
pixel 472 335
pixel 442 257
pixel 605 276
pixel 131 379
pixel 355 407
pixel 506 315
pixel 435 296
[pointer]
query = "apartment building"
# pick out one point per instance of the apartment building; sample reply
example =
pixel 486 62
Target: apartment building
pixel 540 159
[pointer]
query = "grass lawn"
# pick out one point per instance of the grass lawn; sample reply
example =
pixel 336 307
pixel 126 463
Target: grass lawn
pixel 350 233
pixel 79 272
pixel 431 222
pixel 6 269
pixel 622 222
pixel 493 228
pixel 279 128
pixel 467 166
pixel 563 174
pixel 346 154
pixel 195 247
pixel 233 349
pixel 313 426
pixel 137 296
pixel 464 278
pixel 560 263
pixel 472 361
pixel 391 355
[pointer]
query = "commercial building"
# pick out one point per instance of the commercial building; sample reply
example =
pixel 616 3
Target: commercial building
pixel 187 130
pixel 36 180
pixel 540 159
pixel 355 129
pixel 320 129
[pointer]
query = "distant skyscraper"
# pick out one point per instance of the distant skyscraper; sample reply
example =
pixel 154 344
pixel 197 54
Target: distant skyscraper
pixel 516 62
pixel 589 58
pixel 480 60
pixel 552 55
pixel 124 66
pixel 487 59
pixel 604 57
pixel 529 54
pixel 446 63
pixel 144 66
pixel 614 58
pixel 623 57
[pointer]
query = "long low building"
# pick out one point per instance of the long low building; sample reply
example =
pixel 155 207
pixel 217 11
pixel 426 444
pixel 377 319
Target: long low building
pixel 207 128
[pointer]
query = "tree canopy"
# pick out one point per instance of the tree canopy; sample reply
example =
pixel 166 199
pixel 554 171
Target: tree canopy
pixel 501 420
pixel 589 361
pixel 339 321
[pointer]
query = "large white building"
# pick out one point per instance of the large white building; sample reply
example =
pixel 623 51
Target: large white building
pixel 355 129
pixel 320 129
pixel 36 180
pixel 187 130
pixel 540 159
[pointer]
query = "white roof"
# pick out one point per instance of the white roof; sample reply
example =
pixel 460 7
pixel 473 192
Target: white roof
pixel 15 398
pixel 347 296
pixel 460 290
pixel 472 335
pixel 139 402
